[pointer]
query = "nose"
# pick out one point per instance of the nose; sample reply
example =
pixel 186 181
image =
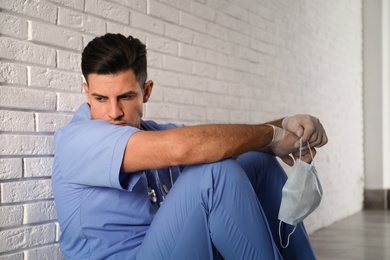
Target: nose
pixel 116 111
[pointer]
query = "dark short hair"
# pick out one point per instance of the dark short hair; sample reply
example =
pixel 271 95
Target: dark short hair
pixel 115 53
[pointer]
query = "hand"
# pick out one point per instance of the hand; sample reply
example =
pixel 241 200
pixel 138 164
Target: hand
pixel 307 127
pixel 283 146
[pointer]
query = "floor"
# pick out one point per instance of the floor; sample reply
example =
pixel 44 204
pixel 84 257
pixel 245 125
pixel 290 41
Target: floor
pixel 365 235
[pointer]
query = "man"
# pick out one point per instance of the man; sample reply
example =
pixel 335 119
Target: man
pixel 112 173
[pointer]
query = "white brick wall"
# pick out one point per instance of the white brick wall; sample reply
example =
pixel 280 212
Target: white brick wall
pixel 237 61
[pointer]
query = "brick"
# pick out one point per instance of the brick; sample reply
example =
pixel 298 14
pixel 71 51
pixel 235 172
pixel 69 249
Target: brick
pixel 81 21
pixel 235 11
pixel 50 34
pixel 157 94
pixel 107 10
pixel 13 26
pixel 25 145
pixel 228 74
pixel 193 22
pixel 13 73
pixel 163 12
pixel 180 4
pixel 248 54
pixel 226 21
pixel 69 60
pixel 22 191
pixel 54 79
pixel 21 238
pixel 240 64
pixel 177 64
pixel 238 117
pixel 155 59
pixel 26 52
pixel 239 39
pixel 216 86
pixel 15 256
pixel 257 21
pixel 226 47
pixel 218 31
pixel 205 99
pixel 179 33
pixel 11 215
pixel 39 212
pixel 204 40
pixel 258 45
pixel 162 111
pixel 166 78
pixel 146 23
pixel 51 122
pixel 216 58
pixel 138 5
pixel 217 115
pixel 249 104
pixel 39 9
pixel 86 40
pixel 192 52
pixel 76 4
pixel 204 69
pixel 11 168
pixel 13 97
pixel 181 96
pixel 227 101
pixel 162 44
pixel 192 113
pixel 46 252
pixel 203 11
pixel 266 13
pixel 16 121
pixel 38 167
pixel 192 82
pixel 70 102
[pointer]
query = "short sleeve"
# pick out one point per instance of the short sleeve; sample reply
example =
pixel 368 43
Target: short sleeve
pixel 91 152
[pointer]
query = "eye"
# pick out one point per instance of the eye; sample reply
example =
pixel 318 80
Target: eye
pixel 100 99
pixel 127 96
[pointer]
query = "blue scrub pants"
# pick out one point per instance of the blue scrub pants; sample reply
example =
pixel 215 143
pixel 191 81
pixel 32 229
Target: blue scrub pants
pixel 229 209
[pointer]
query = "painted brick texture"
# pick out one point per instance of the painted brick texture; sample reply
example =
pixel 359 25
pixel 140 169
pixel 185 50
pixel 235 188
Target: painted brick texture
pixel 212 61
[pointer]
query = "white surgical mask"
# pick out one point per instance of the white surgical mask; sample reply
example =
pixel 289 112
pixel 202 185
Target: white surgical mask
pixel 301 194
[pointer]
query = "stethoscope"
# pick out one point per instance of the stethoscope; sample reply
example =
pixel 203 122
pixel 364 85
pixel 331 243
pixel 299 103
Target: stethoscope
pixel 162 187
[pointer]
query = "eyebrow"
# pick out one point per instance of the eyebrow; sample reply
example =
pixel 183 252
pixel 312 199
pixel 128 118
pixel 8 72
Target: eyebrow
pixel 121 95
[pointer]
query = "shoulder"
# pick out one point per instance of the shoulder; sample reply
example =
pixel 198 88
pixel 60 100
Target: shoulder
pixel 154 126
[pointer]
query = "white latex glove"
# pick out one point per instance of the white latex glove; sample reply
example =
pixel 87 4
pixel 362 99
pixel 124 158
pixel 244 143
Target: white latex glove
pixel 282 145
pixel 307 127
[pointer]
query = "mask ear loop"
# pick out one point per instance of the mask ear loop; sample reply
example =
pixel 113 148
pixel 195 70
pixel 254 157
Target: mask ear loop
pixel 311 154
pixel 300 148
pixel 288 237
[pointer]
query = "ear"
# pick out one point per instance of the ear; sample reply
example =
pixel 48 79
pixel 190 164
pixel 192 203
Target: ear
pixel 148 87
pixel 86 90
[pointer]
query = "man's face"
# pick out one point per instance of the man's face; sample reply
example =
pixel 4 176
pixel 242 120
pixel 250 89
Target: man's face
pixel 117 99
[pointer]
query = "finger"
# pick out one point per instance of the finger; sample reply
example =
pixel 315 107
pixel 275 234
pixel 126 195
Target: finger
pixel 308 157
pixel 307 135
pixel 296 128
pixel 310 133
pixel 287 160
pixel 322 140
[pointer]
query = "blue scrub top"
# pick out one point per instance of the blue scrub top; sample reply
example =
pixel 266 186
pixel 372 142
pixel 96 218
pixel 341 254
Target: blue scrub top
pixel 103 213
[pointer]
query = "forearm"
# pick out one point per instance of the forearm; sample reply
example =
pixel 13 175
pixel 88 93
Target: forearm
pixel 193 145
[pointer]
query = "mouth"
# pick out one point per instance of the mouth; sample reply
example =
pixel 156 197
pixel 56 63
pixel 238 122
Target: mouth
pixel 119 123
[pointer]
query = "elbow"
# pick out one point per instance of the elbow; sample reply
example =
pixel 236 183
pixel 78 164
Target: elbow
pixel 181 154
